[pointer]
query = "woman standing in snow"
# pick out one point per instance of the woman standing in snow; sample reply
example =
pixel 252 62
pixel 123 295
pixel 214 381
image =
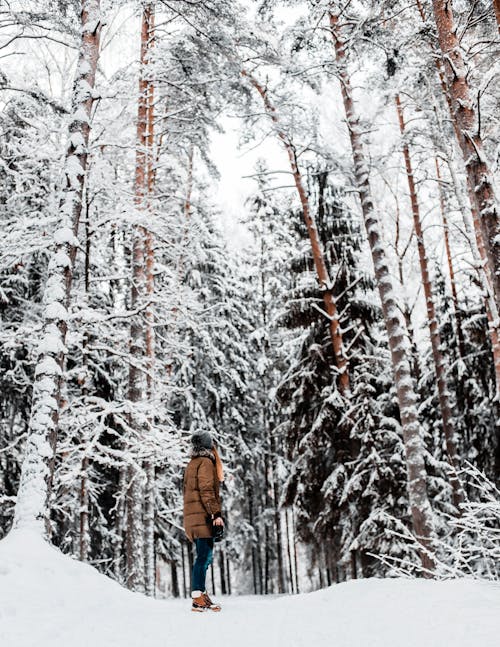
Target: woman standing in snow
pixel 202 512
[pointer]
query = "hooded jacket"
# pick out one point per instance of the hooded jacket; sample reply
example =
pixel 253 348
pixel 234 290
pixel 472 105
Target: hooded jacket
pixel 201 494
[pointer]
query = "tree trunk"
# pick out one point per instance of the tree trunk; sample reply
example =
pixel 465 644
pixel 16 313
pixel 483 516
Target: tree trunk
pixel 417 482
pixel 289 552
pixel 84 533
pixel 184 584
pixel 149 527
pixel 137 386
pixel 439 364
pixel 276 511
pixel 228 575
pixel 119 525
pixel 84 511
pixel 469 137
pixel 175 579
pixel 33 507
pixel 317 252
pixel 222 571
pixel 149 467
pixel 212 575
pixel 295 555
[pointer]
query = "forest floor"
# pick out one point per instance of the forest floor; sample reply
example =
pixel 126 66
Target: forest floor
pixel 50 600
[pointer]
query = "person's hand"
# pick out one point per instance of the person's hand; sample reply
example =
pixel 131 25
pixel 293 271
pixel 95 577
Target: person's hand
pixel 219 521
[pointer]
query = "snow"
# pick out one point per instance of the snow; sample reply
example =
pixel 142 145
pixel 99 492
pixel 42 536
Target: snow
pixel 47 599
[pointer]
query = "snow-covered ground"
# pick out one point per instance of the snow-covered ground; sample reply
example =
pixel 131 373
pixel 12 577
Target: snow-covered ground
pixel 49 600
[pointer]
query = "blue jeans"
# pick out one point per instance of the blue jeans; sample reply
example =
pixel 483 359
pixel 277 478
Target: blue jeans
pixel 204 553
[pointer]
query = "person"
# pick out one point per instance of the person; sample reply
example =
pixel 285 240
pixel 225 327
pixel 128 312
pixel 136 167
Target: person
pixel 202 511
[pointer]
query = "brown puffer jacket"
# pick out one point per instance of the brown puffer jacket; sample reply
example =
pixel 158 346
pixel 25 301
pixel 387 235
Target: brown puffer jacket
pixel 201 495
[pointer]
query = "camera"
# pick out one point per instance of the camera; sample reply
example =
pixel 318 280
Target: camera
pixel 217 531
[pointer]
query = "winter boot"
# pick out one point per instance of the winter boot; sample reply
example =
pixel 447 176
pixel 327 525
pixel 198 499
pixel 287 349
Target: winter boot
pixel 212 605
pixel 199 602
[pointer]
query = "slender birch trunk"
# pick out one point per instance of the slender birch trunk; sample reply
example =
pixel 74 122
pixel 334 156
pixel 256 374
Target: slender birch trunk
pixel 469 137
pixel 137 384
pixel 33 507
pixel 439 364
pixel 317 251
pixel 417 477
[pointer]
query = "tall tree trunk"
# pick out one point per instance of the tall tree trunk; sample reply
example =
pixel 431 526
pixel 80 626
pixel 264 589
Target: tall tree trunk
pixel 32 507
pixel 84 533
pixel 184 584
pixel 149 467
pixel 317 251
pixel 469 136
pixel 149 526
pixel 439 364
pixel 137 387
pixel 276 510
pixel 417 477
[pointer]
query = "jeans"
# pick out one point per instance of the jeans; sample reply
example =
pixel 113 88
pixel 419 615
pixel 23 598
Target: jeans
pixel 204 553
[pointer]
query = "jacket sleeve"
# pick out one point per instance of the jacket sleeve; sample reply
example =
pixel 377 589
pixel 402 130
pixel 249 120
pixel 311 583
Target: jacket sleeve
pixel 206 485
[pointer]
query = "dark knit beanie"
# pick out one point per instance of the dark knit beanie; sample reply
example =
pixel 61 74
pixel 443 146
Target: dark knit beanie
pixel 202 439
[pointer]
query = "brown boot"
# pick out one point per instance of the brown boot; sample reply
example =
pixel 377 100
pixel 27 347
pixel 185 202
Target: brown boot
pixel 212 605
pixel 199 602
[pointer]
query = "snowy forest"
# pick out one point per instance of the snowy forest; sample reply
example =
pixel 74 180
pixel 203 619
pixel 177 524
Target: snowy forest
pixel 273 220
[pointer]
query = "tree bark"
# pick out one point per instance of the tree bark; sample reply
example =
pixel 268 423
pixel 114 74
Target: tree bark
pixel 295 555
pixel 417 477
pixel 137 387
pixel 33 507
pixel 289 552
pixel 149 467
pixel 439 364
pixel 469 137
pixel 84 543
pixel 317 252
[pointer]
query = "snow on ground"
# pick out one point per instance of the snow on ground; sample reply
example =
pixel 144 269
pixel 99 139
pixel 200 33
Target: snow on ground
pixel 50 600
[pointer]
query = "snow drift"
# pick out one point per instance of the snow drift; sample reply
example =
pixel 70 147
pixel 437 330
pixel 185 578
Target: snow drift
pixel 50 600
